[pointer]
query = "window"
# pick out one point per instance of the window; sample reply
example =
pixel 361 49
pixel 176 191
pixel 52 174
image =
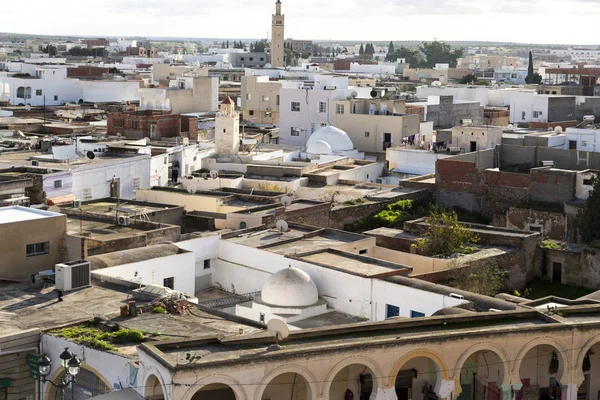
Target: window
pixel 339 108
pixel 294 131
pixel 265 98
pixel 38 92
pixel 251 112
pixel 535 228
pixel 277 100
pixel 391 311
pixel 37 249
pixel 224 130
pixel 169 282
pixel 367 134
pixel 363 251
pixel 322 107
pixel 268 114
pixel 588 182
pixel 206 264
pixel 295 106
pixel 57 184
pixel 262 59
pixel 251 59
pixel 535 114
pixel 416 314
pixel 262 317
pixel 135 183
pixel 523 115
pixel 248 96
pixel 55 98
pixel 241 58
pixel 584 143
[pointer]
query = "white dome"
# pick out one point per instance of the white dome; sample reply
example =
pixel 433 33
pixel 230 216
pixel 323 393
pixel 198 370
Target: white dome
pixel 319 147
pixel 290 287
pixel 337 140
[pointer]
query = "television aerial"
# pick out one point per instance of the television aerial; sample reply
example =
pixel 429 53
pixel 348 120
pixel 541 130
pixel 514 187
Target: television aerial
pixel 558 130
pixel 286 201
pixel 191 189
pixel 280 330
pixel 282 226
pixel 214 174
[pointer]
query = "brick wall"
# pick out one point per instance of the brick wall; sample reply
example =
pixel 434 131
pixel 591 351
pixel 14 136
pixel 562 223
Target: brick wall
pixel 136 125
pixel 86 72
pixel 190 125
pixel 15 367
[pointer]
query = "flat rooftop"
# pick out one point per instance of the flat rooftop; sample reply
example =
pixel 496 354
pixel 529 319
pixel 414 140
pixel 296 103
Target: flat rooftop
pixel 100 230
pixel 24 158
pixel 19 214
pixel 108 207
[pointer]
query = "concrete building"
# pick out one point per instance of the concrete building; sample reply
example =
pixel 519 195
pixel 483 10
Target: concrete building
pixel 445 112
pixel 277 37
pixel 373 125
pixel 227 128
pixel 473 138
pixel 302 46
pixel 248 60
pixel 185 94
pixel 14 190
pixel 33 240
pixel 152 124
pixel 427 74
pixel 489 61
pixel 261 99
pixel 583 139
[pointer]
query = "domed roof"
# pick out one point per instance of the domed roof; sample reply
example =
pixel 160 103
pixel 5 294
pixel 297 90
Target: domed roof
pixel 319 147
pixel 290 287
pixel 337 140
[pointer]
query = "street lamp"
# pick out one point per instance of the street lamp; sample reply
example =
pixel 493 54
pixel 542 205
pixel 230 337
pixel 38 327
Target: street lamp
pixel 71 364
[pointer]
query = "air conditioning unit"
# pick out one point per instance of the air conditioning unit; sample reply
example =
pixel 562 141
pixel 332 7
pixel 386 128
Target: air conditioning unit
pixel 329 87
pixel 549 163
pixel 379 180
pixel 73 275
pixel 456 296
pixel 76 203
pixel 123 220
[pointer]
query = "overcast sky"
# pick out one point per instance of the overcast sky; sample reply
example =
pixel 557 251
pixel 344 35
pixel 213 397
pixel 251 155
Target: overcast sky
pixel 525 21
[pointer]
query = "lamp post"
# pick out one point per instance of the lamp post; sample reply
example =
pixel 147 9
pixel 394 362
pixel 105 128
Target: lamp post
pixel 71 364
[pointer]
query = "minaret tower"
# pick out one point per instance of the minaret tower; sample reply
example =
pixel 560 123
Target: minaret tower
pixel 227 128
pixel 277 37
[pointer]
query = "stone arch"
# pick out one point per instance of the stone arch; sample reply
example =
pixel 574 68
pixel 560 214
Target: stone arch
pixel 544 340
pixel 236 386
pixel 378 377
pixel 52 390
pixel 486 346
pixel 149 390
pixel 586 346
pixel 294 369
pixel 414 354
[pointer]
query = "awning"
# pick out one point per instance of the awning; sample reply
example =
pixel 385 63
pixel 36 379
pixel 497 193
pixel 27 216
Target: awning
pixel 127 394
pixel 59 200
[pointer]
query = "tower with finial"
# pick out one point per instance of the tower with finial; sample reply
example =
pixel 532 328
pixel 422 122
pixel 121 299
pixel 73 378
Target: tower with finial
pixel 227 128
pixel 277 37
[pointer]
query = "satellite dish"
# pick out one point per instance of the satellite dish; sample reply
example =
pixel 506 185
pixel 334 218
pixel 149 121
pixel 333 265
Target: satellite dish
pixel 57 210
pixel 349 97
pixel 282 226
pixel 90 155
pixel 354 94
pixel 286 201
pixel 191 189
pixel 510 126
pixel 214 174
pixel 436 83
pixel 550 129
pixel 558 129
pixel 27 107
pixel 119 134
pixel 280 330
pixel 104 117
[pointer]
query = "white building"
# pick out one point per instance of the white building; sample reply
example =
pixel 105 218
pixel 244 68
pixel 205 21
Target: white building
pixel 582 139
pixel 380 69
pixel 304 109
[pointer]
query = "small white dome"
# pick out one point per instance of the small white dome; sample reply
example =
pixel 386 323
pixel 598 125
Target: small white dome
pixel 290 287
pixel 337 139
pixel 319 147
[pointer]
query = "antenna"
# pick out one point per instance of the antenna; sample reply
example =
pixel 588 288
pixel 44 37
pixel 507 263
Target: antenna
pixel 280 330
pixel 286 201
pixel 214 174
pixel 282 226
pixel 191 189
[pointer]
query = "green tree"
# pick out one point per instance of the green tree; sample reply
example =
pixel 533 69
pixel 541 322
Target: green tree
pixel 445 235
pixel 487 279
pixel 588 219
pixel 412 56
pixel 468 79
pixel 361 51
pixel 227 44
pixel 536 80
pixel 51 50
pixel 391 48
pixel 439 52
pixel 530 69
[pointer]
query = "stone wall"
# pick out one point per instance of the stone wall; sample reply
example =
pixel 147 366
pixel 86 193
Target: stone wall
pixel 553 225
pixel 579 266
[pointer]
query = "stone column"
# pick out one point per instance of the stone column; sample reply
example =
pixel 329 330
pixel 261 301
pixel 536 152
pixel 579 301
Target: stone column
pixel 509 391
pixel 571 389
pixel 386 394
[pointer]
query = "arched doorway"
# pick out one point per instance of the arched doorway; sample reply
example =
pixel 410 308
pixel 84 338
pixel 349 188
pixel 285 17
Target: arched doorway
pixel 215 391
pixel 289 385
pixel 154 390
pixel 357 378
pixel 481 376
pixel 87 385
pixel 590 366
pixel 540 371
pixel 419 378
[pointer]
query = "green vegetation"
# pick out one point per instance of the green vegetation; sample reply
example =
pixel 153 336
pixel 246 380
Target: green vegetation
pixel 392 216
pixel 426 55
pixel 445 235
pixel 588 219
pixel 485 279
pixel 158 309
pixel 548 244
pixel 91 335
pixel 537 289
pixel 85 52
pixel 353 202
